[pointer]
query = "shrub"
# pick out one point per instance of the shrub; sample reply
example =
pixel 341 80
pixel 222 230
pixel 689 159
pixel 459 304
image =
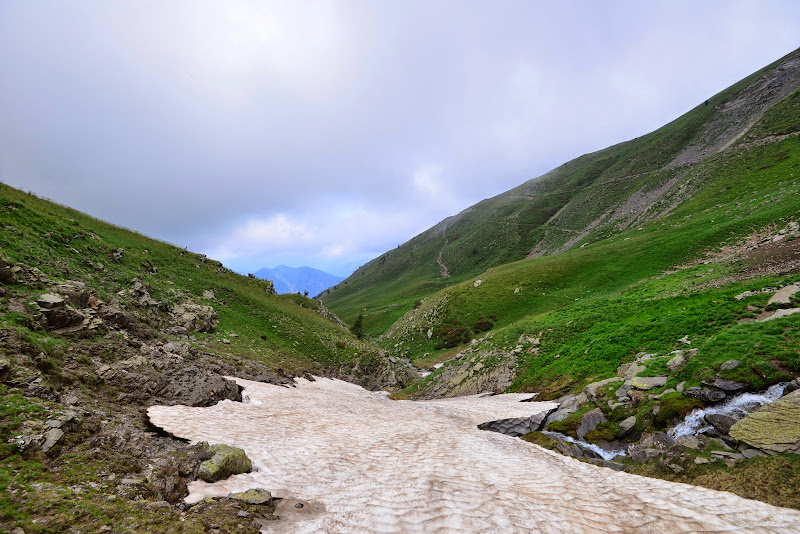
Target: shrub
pixel 482 326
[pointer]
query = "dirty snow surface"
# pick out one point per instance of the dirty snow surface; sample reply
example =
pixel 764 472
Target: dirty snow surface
pixel 359 462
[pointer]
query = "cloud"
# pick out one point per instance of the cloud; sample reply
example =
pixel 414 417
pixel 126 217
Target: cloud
pixel 325 132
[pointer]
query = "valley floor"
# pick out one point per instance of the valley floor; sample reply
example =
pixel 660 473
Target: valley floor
pixel 347 460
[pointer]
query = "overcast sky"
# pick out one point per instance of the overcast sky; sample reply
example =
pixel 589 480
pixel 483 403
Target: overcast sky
pixel 323 133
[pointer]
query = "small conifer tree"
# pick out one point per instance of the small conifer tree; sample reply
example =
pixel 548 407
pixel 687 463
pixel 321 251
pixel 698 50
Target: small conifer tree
pixel 358 327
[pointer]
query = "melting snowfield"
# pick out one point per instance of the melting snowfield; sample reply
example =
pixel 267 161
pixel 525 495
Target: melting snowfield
pixel 359 462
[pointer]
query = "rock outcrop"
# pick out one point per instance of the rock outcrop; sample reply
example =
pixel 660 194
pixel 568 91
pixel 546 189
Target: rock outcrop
pixel 195 317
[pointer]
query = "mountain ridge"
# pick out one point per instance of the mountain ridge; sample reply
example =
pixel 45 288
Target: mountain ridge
pixel 588 199
pixel 304 279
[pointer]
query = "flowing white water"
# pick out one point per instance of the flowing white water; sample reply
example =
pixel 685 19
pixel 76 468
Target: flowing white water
pixel 736 407
pixel 602 453
pixel 365 464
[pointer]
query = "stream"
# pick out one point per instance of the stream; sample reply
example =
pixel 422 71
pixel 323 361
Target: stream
pixel 360 462
pixel 736 407
pixel 609 454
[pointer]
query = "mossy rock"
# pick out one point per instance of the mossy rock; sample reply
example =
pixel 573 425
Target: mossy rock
pixel 603 433
pixel 675 407
pixel 540 439
pixel 252 496
pixel 226 461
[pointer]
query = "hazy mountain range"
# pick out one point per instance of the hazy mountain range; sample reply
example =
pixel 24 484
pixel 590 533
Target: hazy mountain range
pixel 294 279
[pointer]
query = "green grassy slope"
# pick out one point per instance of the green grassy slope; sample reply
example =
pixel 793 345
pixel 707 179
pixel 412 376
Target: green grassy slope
pixel 747 191
pixel 68 245
pixel 593 197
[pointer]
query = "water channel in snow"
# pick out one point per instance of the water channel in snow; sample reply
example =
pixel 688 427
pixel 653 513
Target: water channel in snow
pixel 609 454
pixel 736 407
pixel 360 462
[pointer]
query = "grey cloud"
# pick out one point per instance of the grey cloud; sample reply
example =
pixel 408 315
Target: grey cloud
pixel 190 121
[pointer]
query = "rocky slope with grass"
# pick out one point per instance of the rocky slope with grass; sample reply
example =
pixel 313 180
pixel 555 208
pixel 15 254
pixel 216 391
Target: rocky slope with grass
pixel 98 323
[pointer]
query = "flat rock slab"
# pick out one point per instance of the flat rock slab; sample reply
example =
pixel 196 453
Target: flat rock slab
pixel 706 395
pixel 784 295
pixel 646 383
pixel 370 464
pixel 780 313
pixel 725 385
pixel 775 427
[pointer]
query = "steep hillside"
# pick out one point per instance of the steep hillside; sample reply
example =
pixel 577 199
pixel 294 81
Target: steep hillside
pixel 584 201
pixel 636 286
pixel 97 323
pixel 305 280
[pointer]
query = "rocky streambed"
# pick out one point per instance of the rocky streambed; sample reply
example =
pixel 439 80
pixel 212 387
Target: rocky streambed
pixel 343 459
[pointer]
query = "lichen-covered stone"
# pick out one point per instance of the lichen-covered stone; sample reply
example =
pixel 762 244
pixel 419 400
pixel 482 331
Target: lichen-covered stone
pixel 227 461
pixel 774 427
pixel 252 496
pixel 648 382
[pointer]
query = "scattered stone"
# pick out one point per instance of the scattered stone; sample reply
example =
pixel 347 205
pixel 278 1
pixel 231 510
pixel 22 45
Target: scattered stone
pixel 516 290
pixel 226 341
pixel 657 440
pixel 722 423
pixel 65 317
pixel 591 389
pixel 477 283
pixel 675 468
pixel 7 274
pixel 614 466
pixel 626 426
pixel 646 383
pixel 51 438
pixel 752 453
pixel 195 316
pixel 208 294
pixel 629 370
pixel 685 340
pixel 644 356
pixel 725 385
pixel 677 362
pixel 730 364
pixel 665 392
pixel 158 505
pixel 50 301
pixel 252 496
pixel 728 454
pixel 690 442
pixel 589 422
pixel 567 404
pixel 775 427
pixel 700 460
pixel 794 385
pixel 708 396
pixel 636 396
pixel 227 461
pixel 117 253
